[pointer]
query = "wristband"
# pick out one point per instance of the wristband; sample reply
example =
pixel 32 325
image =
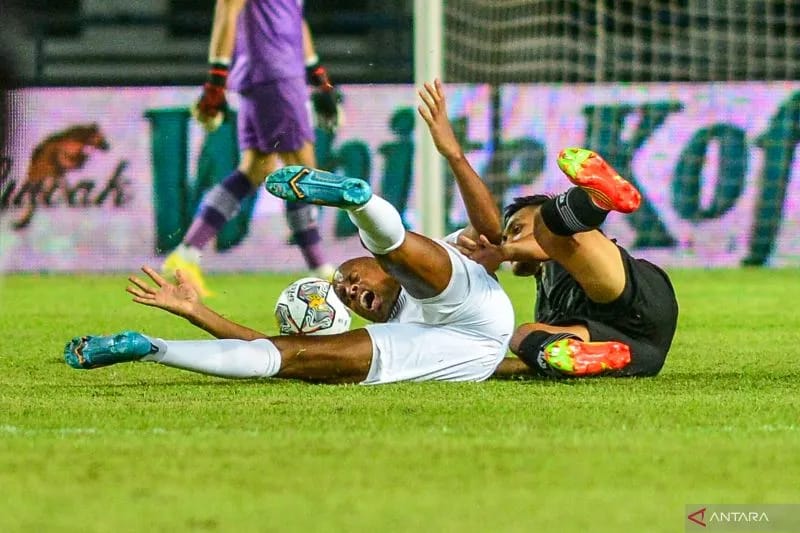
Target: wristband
pixel 217 74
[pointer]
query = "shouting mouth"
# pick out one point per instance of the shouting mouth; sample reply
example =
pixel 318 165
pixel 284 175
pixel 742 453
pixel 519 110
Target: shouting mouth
pixel 368 300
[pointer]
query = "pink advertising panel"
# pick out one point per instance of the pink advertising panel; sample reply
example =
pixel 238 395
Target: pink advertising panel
pixel 125 167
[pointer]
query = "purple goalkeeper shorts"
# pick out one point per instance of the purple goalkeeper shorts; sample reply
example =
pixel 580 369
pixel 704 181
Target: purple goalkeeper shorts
pixel 276 117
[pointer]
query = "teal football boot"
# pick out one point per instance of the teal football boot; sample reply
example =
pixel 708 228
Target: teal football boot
pixel 302 184
pixel 94 352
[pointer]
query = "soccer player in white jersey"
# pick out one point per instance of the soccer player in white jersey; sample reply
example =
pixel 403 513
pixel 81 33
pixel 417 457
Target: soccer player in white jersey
pixel 437 314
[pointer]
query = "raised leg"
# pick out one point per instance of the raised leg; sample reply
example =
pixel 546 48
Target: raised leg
pixel 566 226
pixel 420 264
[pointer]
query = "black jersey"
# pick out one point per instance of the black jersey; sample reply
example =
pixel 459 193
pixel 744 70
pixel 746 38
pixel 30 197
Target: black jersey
pixel 644 316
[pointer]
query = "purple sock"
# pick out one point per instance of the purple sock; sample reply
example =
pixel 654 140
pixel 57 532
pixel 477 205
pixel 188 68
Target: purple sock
pixel 219 205
pixel 310 244
pixel 302 221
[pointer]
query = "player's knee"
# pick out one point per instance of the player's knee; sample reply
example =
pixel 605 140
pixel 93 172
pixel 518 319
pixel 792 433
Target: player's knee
pixel 257 165
pixel 304 156
pixel 646 362
pixel 522 335
pixel 321 367
pixel 341 358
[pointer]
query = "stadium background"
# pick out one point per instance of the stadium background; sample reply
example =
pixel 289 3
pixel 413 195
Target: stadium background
pixel 692 99
pixel 141 447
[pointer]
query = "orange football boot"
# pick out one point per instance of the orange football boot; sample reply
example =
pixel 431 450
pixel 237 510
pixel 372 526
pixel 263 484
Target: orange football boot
pixel 607 188
pixel 578 358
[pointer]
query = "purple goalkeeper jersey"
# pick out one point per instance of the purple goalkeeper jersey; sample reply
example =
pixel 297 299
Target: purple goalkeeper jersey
pixel 269 43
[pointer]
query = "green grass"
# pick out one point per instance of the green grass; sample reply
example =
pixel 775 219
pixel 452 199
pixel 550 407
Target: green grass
pixel 140 447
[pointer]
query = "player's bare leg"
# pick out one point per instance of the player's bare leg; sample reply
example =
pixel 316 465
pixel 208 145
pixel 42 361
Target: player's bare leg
pixel 590 257
pixel 223 201
pixel 303 157
pixel 421 265
pixel 565 227
pixel 343 358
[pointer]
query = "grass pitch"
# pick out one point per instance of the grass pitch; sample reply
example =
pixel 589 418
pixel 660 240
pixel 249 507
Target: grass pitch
pixel 141 447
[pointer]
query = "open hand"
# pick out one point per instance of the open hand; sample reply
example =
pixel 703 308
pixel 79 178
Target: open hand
pixel 482 251
pixel 434 112
pixel 180 298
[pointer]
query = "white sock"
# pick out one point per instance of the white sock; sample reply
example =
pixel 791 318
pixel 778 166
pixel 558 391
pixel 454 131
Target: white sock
pixel 227 358
pixel 379 225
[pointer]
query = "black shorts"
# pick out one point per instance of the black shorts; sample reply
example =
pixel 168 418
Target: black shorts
pixel 644 317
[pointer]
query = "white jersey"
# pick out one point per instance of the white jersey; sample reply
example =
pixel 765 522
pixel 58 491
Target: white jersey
pixel 461 334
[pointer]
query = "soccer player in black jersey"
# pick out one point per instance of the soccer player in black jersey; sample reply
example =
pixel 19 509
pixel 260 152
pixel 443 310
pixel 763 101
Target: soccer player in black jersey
pixel 599 311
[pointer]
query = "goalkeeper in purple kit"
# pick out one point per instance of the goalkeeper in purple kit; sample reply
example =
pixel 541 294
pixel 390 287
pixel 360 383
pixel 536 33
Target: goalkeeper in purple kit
pixel 263 50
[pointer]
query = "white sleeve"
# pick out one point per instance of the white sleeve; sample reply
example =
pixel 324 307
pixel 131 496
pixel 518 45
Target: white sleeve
pixel 440 309
pixel 453 237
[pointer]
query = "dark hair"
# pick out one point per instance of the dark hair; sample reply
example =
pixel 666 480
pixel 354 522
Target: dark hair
pixel 523 201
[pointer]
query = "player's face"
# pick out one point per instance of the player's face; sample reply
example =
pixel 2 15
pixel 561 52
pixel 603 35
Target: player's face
pixel 520 227
pixel 366 288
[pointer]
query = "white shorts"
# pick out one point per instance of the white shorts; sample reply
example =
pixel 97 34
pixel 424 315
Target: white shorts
pixel 461 334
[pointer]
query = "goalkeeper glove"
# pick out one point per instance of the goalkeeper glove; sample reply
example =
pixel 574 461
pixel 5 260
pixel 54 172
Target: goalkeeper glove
pixel 325 98
pixel 211 107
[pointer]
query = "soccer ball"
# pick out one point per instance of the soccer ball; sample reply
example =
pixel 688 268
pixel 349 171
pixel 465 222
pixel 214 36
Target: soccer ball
pixel 310 307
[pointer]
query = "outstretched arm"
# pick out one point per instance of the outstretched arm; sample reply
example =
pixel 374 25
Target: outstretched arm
pixel 212 106
pixel 309 51
pixel 484 217
pixel 181 299
pixel 217 325
pixel 223 30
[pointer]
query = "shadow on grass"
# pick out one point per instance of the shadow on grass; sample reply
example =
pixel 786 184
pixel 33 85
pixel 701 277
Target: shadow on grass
pixel 731 378
pixel 198 383
pixel 679 380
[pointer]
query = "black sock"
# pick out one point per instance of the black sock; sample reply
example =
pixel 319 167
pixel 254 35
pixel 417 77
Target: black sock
pixel 572 212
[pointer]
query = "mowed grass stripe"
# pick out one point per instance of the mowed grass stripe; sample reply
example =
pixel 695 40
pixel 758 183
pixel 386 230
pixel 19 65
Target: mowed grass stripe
pixel 141 447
